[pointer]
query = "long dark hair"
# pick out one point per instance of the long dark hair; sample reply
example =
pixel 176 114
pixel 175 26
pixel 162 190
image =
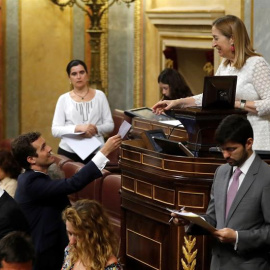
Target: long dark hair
pixel 176 82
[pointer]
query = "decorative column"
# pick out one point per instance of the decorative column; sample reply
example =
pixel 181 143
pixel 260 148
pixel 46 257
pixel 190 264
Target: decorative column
pixel 94 10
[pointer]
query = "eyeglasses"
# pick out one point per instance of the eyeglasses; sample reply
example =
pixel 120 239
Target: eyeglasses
pixel 228 149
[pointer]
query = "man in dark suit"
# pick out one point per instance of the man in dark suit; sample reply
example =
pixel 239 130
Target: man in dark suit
pixel 243 222
pixel 11 215
pixel 43 199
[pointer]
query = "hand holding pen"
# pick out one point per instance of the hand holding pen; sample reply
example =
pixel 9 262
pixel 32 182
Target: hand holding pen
pixel 174 214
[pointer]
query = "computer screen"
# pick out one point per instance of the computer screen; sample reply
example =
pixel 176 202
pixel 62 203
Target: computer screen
pixel 219 92
pixel 172 147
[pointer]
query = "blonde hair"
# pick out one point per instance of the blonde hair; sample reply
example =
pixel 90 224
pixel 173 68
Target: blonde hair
pixel 96 241
pixel 232 27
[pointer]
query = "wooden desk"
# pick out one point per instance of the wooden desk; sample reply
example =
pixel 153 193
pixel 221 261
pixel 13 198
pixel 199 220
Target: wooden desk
pixel 151 182
pixel 140 125
pixel 201 125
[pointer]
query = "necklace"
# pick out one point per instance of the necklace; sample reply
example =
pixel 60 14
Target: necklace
pixel 82 97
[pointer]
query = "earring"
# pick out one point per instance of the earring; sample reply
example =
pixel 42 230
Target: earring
pixel 70 82
pixel 232 48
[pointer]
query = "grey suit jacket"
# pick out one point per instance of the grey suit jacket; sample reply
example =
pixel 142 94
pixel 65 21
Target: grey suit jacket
pixel 249 215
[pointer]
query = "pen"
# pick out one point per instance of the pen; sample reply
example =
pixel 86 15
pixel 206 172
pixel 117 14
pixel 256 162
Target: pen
pixel 183 208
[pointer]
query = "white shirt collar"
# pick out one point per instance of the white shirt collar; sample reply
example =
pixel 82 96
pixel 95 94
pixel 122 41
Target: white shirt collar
pixel 246 165
pixel 1 192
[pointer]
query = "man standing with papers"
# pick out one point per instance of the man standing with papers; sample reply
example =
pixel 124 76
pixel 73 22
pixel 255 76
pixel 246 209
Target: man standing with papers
pixel 43 199
pixel 239 204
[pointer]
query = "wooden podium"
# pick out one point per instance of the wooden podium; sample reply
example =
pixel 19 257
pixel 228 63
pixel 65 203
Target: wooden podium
pixel 201 125
pixel 152 182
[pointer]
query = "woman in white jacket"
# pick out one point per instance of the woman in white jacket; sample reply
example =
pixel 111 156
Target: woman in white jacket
pixel 231 40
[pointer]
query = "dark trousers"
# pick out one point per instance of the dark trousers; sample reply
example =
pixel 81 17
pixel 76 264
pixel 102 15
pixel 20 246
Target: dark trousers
pixel 74 156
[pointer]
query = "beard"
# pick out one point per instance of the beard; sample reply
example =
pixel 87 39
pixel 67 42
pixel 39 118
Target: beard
pixel 240 161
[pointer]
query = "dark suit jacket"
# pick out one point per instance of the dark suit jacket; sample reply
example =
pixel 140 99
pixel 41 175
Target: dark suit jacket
pixel 11 216
pixel 249 215
pixel 43 200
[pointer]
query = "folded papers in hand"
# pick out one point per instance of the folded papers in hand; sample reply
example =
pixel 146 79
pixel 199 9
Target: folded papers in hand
pixel 194 218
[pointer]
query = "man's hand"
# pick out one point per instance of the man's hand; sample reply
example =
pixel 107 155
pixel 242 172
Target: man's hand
pixel 179 221
pixel 112 144
pixel 225 235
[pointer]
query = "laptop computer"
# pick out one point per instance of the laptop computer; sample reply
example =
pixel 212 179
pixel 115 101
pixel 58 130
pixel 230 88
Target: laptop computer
pixel 172 147
pixel 219 92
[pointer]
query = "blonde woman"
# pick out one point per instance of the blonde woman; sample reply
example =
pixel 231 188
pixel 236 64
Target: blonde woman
pixel 231 40
pixel 92 242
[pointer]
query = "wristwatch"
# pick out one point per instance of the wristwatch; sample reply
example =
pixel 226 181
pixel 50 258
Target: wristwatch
pixel 243 104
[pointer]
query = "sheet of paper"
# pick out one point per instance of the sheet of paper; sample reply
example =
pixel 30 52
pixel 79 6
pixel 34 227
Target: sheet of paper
pixel 124 128
pixel 194 218
pixel 83 147
pixel 73 134
pixel 172 123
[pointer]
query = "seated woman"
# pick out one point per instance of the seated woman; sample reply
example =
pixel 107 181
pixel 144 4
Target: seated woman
pixel 92 242
pixel 173 85
pixel 83 109
pixel 9 172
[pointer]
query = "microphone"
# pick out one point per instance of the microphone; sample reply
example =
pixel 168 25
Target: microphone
pixel 197 139
pixel 173 130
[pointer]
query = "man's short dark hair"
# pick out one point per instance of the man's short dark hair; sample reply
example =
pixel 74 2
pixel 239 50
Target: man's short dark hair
pixel 16 247
pixel 234 128
pixel 22 148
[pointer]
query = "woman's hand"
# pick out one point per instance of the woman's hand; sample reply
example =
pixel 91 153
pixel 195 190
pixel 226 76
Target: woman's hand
pixel 249 106
pixel 88 129
pixel 165 105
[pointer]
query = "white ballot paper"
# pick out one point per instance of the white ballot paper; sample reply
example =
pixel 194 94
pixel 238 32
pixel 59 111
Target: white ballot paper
pixel 194 218
pixel 124 128
pixel 83 147
pixel 175 123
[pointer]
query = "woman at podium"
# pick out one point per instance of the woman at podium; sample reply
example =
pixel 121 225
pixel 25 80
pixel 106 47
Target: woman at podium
pixel 232 42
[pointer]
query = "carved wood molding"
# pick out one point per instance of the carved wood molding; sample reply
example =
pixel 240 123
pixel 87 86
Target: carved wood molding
pixel 138 55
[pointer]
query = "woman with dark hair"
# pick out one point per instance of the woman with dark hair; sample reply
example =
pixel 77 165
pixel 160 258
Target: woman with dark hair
pixel 92 242
pixel 173 85
pixel 9 172
pixel 232 42
pixel 82 110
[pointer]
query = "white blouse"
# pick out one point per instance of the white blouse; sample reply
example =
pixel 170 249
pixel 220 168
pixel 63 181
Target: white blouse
pixel 253 84
pixel 69 113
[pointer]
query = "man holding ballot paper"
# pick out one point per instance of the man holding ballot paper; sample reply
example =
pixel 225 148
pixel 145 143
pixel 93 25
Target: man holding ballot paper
pixel 239 204
pixel 42 199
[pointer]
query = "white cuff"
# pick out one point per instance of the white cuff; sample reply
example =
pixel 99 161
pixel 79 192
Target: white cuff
pixel 236 241
pixel 100 160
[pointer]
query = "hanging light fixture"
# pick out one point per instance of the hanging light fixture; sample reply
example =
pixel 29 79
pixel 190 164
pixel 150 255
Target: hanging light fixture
pixel 94 10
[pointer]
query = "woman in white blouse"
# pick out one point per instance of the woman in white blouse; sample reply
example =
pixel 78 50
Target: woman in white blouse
pixel 232 42
pixel 83 109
